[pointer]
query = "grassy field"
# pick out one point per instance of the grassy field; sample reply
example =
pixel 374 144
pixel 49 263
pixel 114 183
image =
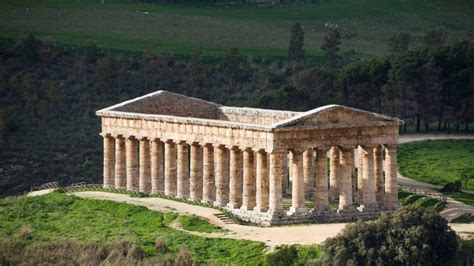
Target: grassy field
pixel 260 30
pixel 59 218
pixel 430 204
pixel 438 162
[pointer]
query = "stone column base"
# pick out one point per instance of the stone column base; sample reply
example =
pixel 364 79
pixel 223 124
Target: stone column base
pixel 368 207
pixel 232 206
pixel 347 209
pixel 297 211
pixel 260 209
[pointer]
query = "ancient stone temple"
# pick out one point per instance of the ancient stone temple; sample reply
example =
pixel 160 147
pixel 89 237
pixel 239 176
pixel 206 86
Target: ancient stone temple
pixel 332 163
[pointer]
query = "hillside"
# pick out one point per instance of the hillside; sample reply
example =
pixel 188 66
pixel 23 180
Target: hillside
pixel 258 30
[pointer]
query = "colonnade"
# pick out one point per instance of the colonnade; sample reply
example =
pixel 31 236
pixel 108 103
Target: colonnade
pixel 254 180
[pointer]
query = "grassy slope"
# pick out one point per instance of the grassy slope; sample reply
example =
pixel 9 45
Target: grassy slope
pixel 256 30
pixel 56 218
pixel 438 162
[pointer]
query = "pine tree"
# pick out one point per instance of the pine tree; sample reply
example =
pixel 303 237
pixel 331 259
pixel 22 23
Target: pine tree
pixel 331 44
pixel 398 43
pixel 295 50
pixel 435 37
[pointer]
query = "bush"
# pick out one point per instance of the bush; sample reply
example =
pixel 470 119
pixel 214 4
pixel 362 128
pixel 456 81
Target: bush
pixel 464 218
pixel 409 236
pixel 452 186
pixel 283 255
pixel 160 246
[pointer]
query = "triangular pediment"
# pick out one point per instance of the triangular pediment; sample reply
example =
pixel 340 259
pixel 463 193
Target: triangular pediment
pixel 336 115
pixel 168 103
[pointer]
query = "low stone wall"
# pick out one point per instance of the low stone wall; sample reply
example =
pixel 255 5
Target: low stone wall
pixel 271 219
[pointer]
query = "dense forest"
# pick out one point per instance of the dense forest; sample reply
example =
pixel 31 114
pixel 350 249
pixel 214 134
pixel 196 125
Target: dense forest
pixel 49 92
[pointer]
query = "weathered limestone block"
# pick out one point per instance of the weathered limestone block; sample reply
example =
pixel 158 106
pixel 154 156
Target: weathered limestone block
pixel 170 168
pixel 378 171
pixel 334 173
pixel 109 161
pixel 208 174
pixel 196 169
pixel 157 175
pixel 297 195
pixel 120 164
pixel 222 176
pixel 183 170
pixel 391 193
pixel 235 178
pixel 276 175
pixel 368 199
pixel 262 185
pixel 308 172
pixel 360 175
pixel 131 148
pixel 145 167
pixel 322 195
pixel 345 189
pixel 248 180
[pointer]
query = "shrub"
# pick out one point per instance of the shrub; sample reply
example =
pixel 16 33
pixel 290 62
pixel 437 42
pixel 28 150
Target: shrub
pixel 160 246
pixel 409 236
pixel 452 186
pixel 26 232
pixel 283 255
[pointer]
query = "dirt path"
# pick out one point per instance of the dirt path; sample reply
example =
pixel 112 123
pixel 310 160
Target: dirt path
pixel 272 236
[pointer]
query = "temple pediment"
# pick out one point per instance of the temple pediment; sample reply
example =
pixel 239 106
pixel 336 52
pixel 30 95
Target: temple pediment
pixel 333 115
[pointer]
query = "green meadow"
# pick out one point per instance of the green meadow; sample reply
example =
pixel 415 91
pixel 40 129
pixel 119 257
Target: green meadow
pixel 256 29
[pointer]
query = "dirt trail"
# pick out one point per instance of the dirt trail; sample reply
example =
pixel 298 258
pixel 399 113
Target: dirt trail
pixel 272 236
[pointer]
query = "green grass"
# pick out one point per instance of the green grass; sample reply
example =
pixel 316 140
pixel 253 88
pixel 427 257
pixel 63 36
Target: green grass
pixel 258 30
pixel 429 204
pixel 60 218
pixel 195 223
pixel 438 162
pixel 464 197
pixel 464 219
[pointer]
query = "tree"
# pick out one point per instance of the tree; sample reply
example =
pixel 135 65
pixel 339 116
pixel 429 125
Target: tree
pixel 409 236
pixel 331 44
pixel 229 66
pixel 435 37
pixel 91 52
pixel 29 47
pixel 295 50
pixel 398 43
pixel 197 73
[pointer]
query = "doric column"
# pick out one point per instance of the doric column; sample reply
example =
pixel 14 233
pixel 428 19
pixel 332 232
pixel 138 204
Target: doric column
pixel 208 191
pixel 297 192
pixel 289 189
pixel 235 178
pixel 109 161
pixel 368 198
pixel 131 149
pixel 145 168
pixel 286 175
pixel 308 172
pixel 262 182
pixel 157 176
pixel 322 195
pixel 222 176
pixel 195 181
pixel 334 173
pixel 170 168
pixel 276 175
pixel 391 193
pixel 182 170
pixel 345 185
pixel 120 165
pixel 360 174
pixel 249 180
pixel 378 169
